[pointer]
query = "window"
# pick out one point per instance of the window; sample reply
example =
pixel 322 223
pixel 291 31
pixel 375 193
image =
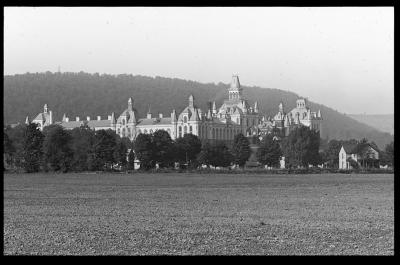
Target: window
pixel 123 132
pixel 123 121
pixel 118 131
pixel 190 129
pixel 180 131
pixel 184 130
pixel 184 119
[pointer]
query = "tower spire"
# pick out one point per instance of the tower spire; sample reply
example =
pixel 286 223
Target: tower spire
pixel 130 103
pixel 235 90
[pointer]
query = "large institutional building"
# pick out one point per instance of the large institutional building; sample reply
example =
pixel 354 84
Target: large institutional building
pixel 235 116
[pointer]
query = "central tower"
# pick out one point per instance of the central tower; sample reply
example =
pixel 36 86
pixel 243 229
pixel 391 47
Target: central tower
pixel 235 91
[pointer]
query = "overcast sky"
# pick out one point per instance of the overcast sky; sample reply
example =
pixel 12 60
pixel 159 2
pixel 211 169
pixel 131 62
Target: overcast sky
pixel 341 57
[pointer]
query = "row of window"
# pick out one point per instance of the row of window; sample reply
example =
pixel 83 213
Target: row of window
pixel 127 133
pixel 204 132
pixel 218 133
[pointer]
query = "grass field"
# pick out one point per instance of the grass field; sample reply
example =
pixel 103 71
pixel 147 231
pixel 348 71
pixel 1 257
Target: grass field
pixel 189 214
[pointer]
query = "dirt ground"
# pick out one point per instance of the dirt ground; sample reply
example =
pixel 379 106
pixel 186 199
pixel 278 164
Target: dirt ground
pixel 198 214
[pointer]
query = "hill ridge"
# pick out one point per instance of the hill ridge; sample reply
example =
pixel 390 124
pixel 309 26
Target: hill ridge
pixel 84 94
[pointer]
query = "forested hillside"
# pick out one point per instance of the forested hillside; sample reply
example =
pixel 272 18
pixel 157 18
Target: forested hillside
pixel 82 94
pixel 381 122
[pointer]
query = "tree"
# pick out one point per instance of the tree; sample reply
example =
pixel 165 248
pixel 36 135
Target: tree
pixel 143 147
pixel 332 154
pixel 32 148
pixel 187 149
pixel 16 136
pixel 301 147
pixel 205 156
pixel 105 142
pixel 240 150
pixel 8 151
pixel 57 152
pixel 163 148
pixel 131 160
pixel 82 145
pixel 389 153
pixel 120 151
pixel 222 157
pixel 269 152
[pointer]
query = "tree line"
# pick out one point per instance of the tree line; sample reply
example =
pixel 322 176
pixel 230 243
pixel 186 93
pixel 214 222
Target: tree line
pixel 83 149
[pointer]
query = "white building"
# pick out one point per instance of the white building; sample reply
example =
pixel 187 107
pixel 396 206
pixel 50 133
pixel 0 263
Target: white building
pixel 353 151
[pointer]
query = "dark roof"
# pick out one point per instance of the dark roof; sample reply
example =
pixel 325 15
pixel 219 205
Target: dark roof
pixel 350 148
pixel 356 148
pixel 154 121
pixel 91 123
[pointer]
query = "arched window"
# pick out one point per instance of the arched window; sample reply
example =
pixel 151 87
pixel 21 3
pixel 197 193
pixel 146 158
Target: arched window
pixel 213 133
pixel 184 130
pixel 123 121
pixel 180 131
pixel 190 129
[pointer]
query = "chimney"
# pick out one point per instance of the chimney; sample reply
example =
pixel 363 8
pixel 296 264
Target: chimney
pixel 88 118
pixel 77 118
pixel 98 118
pixel 109 117
pixel 160 115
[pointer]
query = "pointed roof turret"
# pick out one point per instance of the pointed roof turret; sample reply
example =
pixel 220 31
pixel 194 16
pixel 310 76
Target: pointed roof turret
pixel 235 91
pixel 130 104
pixel 64 118
pixel 112 118
pixel 235 84
pixel 214 108
pixel 27 121
pixel 173 116
pixel 195 116
pixel 281 106
pixel 191 101
pixel 209 114
pixel 45 108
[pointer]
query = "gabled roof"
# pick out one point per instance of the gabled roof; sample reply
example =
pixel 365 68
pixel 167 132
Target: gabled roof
pixel 356 148
pixel 349 148
pixel 42 117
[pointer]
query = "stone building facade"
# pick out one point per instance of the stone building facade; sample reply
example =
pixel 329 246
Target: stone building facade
pixel 234 116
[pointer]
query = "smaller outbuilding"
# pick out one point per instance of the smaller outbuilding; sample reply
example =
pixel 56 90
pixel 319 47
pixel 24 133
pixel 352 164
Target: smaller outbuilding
pixel 355 155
